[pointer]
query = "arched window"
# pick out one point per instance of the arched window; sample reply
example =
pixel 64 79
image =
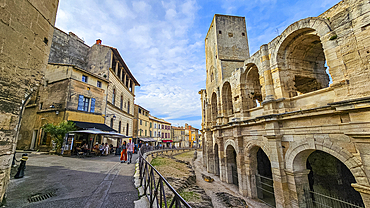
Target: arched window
pixel 128 107
pixel 121 104
pixel 114 97
pixel 111 123
pixel 227 101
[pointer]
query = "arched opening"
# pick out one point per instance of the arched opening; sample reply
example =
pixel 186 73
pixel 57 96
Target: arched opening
pixel 227 100
pixel 253 87
pixel 217 161
pixel 232 169
pixel 214 107
pixel 303 60
pixel 264 181
pixel 330 182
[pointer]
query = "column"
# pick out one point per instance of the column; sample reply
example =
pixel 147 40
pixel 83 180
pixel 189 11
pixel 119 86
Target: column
pixel 124 80
pixel 281 189
pixel 269 85
pixel 297 183
pixel 116 68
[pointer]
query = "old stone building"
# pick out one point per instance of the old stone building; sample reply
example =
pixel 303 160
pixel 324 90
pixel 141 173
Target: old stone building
pixel 105 62
pixel 142 125
pixel 290 123
pixel 68 93
pixel 26 30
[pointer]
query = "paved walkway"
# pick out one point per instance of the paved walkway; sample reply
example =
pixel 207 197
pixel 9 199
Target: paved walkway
pixel 97 182
pixel 218 186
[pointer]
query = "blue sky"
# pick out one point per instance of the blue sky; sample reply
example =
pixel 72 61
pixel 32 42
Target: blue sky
pixel 162 42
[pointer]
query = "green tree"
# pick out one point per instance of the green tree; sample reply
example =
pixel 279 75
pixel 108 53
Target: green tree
pixel 58 132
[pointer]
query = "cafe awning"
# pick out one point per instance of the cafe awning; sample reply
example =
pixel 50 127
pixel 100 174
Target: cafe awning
pixel 147 139
pixel 98 126
pixel 99 132
pixel 166 141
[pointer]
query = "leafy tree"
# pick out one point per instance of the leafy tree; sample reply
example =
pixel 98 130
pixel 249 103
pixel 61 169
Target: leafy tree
pixel 58 132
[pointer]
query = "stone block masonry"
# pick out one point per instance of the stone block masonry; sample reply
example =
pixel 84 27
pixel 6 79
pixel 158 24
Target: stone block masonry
pixel 26 31
pixel 295 114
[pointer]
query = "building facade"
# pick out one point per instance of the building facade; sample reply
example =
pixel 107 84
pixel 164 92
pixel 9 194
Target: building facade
pixel 293 118
pixel 105 62
pixel 26 32
pixel 178 136
pixel 161 130
pixel 142 124
pixel 68 93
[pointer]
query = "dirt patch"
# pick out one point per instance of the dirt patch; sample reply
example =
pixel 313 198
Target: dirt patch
pixel 229 200
pixel 178 172
pixel 186 156
pixel 170 168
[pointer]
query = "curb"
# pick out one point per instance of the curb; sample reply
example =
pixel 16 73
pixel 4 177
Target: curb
pixel 143 201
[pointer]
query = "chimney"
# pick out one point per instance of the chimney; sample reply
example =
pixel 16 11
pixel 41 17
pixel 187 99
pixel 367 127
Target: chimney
pixel 98 41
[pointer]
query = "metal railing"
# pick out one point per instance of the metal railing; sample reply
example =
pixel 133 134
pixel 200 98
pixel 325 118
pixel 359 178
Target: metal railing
pixel 317 200
pixel 265 190
pixel 154 186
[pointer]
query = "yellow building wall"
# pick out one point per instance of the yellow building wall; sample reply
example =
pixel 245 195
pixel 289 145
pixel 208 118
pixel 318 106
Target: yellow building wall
pixel 84 117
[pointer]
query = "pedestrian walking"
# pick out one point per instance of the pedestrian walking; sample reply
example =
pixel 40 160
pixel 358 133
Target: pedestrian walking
pixel 123 157
pixel 130 149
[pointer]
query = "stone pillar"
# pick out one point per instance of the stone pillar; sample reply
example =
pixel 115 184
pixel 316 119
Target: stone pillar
pixel 124 80
pixel 281 189
pixel 269 85
pixel 222 158
pixel 365 193
pixel 116 68
pixel 121 74
pixel 363 146
pixel 297 183
pixel 210 157
pixel 133 88
pixel 240 163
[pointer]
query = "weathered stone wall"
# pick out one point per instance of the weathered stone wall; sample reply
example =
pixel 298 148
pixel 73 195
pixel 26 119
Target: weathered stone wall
pixel 26 29
pixel 68 49
pixel 300 112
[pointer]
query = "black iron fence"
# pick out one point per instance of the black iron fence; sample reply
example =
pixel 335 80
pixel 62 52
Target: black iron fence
pixel 318 200
pixel 265 190
pixel 156 188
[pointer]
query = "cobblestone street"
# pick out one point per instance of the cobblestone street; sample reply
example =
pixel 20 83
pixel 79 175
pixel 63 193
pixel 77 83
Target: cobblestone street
pixel 74 182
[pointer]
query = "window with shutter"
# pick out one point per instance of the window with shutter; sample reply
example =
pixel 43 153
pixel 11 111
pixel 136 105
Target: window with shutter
pixel 80 102
pixel 92 108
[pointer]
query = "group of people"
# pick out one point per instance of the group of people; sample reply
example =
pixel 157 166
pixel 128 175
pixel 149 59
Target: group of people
pixel 127 149
pixel 102 149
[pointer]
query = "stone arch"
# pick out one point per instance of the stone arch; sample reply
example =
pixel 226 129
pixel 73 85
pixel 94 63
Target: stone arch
pixel 301 151
pixel 320 25
pixel 298 154
pixel 231 164
pixel 300 55
pixel 232 143
pixel 251 88
pixel 227 100
pixel 252 150
pixel 214 109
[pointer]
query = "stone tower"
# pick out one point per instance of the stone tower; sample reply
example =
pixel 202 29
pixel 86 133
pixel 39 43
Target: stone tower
pixel 226 48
